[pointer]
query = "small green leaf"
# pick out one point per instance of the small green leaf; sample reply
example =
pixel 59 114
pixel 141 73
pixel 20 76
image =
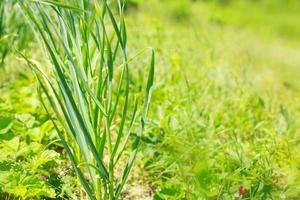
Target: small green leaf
pixel 5 125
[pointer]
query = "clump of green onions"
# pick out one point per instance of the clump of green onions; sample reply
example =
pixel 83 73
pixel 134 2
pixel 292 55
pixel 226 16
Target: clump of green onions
pixel 86 88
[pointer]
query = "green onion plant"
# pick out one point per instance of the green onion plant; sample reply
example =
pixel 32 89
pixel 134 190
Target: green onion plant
pixel 86 87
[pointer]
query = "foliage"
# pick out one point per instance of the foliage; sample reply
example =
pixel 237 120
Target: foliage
pixel 225 115
pixel 30 159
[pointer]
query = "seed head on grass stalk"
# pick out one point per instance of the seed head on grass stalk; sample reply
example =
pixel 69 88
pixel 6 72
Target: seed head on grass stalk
pixel 87 88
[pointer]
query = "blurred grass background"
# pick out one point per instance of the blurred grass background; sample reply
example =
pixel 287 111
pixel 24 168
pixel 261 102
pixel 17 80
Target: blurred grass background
pixel 226 104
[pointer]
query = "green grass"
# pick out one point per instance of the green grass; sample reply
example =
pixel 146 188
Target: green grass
pixel 12 29
pixel 230 116
pixel 271 19
pixel 225 106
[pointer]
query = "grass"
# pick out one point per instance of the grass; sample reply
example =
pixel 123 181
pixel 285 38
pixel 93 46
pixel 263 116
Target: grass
pixel 12 27
pixel 228 106
pixel 224 112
